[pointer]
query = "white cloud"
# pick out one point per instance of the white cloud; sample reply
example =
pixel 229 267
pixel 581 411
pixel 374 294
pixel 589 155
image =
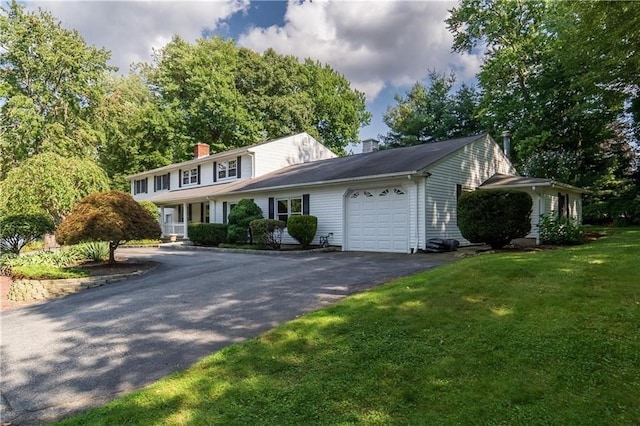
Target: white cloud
pixel 374 44
pixel 130 30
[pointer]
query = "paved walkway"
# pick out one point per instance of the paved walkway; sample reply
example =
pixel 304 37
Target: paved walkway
pixel 83 350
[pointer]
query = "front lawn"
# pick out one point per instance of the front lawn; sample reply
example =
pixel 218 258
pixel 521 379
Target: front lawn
pixel 549 337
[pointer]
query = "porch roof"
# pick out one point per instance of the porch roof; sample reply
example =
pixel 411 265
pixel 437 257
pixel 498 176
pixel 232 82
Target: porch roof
pixel 507 181
pixel 192 194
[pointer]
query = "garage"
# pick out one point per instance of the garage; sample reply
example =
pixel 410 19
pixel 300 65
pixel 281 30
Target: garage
pixel 377 220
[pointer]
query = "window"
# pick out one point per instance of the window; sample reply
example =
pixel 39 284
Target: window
pixel 227 169
pixel 189 176
pixel 140 186
pixel 161 182
pixel 288 206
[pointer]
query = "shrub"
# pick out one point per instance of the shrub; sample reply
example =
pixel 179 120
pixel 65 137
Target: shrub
pixel 16 231
pixel 95 250
pixel 267 232
pixel 303 229
pixel 151 208
pixel 112 216
pixel 560 231
pixel 494 217
pixel 57 259
pixel 240 218
pixel 207 234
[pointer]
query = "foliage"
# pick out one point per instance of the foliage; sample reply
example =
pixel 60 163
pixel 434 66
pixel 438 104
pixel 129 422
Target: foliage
pixel 239 219
pixel 237 97
pixel 50 85
pixel 494 217
pixel 136 134
pixel 268 232
pixel 143 242
pixel 539 79
pixel 58 259
pixel 563 231
pixel 94 250
pixel 432 112
pixel 207 234
pixel 619 205
pixel 50 184
pixel 45 272
pixel 112 216
pixel 151 208
pixel 507 338
pixel 16 231
pixel 303 228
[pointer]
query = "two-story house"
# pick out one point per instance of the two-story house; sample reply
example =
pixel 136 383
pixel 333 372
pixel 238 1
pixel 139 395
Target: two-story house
pixel 388 200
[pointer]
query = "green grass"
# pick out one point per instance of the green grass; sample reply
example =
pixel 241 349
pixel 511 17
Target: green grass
pixel 527 338
pixel 46 272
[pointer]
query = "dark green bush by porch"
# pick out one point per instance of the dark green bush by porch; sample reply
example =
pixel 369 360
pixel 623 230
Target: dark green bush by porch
pixel 239 219
pixel 494 217
pixel 207 234
pixel 303 228
pixel 562 231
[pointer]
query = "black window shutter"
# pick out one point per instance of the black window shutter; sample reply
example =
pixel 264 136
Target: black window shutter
pixel 215 171
pixel 180 178
pixel 198 174
pixel 305 203
pixel 271 208
pixel 135 187
pixel 146 185
pixel 169 179
pixel 155 183
pixel 224 212
pixel 238 165
pixel 189 214
pixel 201 212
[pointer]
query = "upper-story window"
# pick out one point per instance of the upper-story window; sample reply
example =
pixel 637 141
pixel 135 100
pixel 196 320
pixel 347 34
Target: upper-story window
pixel 140 186
pixel 227 169
pixel 189 176
pixel 162 182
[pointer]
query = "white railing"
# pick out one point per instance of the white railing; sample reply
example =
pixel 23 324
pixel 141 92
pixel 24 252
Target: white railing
pixel 173 228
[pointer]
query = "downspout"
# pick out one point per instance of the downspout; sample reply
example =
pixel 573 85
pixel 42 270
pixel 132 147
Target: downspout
pixel 415 250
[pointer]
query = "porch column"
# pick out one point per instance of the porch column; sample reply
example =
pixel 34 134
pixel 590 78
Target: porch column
pixel 162 221
pixel 185 218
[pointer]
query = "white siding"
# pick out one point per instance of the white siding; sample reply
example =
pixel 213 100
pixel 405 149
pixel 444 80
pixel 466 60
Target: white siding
pixel 469 167
pixel 284 152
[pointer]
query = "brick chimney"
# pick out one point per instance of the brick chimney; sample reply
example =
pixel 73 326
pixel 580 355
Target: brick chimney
pixel 200 150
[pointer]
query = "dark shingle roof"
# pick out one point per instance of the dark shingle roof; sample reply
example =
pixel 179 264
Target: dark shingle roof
pixel 507 181
pixel 391 161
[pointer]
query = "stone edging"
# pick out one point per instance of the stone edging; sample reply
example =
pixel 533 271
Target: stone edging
pixel 29 290
pixel 170 246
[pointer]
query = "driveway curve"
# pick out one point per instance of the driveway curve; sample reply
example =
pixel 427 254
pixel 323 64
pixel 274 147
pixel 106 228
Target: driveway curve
pixel 70 354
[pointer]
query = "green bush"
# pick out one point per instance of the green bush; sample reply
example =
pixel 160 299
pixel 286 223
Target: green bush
pixel 267 232
pixel 95 250
pixel 207 234
pixel 239 219
pixel 59 259
pixel 560 231
pixel 16 231
pixel 303 229
pixel 494 217
pixel 151 208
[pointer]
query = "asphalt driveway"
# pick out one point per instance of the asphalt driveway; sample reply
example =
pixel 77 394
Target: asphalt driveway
pixel 85 349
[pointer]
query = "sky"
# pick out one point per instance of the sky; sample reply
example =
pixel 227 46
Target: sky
pixel 381 47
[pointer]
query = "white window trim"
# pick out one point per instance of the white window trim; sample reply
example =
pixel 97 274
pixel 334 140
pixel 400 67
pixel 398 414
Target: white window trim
pixel 191 175
pixel 288 213
pixel 225 166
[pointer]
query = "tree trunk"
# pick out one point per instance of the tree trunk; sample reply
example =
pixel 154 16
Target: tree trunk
pixel 112 251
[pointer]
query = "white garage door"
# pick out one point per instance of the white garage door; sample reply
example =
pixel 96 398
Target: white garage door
pixel 378 220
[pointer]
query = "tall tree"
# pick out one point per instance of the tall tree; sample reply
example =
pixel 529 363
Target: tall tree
pixel 432 112
pixel 136 135
pixel 50 81
pixel 50 184
pixel 532 85
pixel 229 96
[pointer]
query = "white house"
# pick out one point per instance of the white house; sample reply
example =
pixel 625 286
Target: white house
pixel 390 200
